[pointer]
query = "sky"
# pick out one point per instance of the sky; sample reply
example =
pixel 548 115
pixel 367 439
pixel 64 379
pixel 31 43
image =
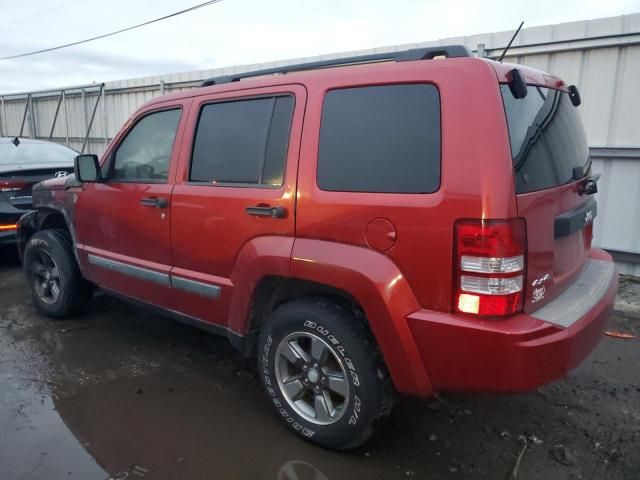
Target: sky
pixel 238 32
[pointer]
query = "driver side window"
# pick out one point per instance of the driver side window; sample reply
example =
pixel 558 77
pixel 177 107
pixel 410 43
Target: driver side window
pixel 145 153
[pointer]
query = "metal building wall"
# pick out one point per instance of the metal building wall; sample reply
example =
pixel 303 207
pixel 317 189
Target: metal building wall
pixel 601 56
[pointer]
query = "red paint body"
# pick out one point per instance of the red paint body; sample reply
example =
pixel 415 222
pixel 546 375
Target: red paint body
pixel 393 253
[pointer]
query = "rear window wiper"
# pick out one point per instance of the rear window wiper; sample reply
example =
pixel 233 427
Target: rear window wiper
pixel 580 172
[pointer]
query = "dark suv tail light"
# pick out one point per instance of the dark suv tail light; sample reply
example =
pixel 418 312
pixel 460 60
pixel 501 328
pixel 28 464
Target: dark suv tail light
pixel 11 186
pixel 489 269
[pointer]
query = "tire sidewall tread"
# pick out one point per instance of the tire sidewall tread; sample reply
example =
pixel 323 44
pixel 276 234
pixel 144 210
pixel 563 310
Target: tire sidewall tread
pixel 370 392
pixel 74 289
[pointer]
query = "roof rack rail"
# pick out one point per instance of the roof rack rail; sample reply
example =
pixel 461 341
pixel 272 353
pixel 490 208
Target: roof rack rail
pixel 427 53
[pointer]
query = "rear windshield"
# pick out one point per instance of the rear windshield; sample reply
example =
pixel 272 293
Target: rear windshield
pixel 27 152
pixel 548 144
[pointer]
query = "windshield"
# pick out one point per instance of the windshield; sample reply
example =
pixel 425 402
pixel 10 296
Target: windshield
pixel 548 144
pixel 27 152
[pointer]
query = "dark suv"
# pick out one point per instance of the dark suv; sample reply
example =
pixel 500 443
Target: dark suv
pixel 407 224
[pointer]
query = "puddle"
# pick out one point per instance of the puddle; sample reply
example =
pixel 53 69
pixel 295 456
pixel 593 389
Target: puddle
pixel 120 393
pixel 35 443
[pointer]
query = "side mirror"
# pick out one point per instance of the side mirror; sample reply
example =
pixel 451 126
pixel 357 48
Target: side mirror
pixel 87 168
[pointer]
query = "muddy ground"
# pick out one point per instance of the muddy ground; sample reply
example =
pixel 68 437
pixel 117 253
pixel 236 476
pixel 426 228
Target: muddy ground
pixel 123 393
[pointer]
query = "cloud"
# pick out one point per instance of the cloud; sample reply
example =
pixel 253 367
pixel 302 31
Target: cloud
pixel 79 66
pixel 237 32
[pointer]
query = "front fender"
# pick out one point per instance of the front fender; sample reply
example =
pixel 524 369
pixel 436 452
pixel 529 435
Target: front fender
pixel 57 201
pixel 27 225
pixel 384 294
pixel 34 220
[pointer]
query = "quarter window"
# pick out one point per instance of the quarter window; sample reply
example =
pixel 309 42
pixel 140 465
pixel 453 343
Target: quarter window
pixel 380 139
pixel 145 153
pixel 242 142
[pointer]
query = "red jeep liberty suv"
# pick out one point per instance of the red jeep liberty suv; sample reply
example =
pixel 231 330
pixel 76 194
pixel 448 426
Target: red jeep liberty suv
pixel 389 223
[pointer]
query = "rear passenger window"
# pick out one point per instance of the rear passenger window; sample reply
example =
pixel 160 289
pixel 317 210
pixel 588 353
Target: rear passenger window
pixel 380 139
pixel 242 142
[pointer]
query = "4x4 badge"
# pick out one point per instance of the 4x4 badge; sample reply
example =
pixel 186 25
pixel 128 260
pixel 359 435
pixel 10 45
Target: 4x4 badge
pixel 588 217
pixel 538 288
pixel 541 280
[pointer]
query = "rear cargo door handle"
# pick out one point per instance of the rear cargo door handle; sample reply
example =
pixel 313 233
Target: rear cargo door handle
pixel 155 202
pixel 266 211
pixel 568 223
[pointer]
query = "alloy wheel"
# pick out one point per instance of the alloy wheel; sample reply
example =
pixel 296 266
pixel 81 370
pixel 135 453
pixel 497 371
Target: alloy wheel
pixel 46 277
pixel 312 378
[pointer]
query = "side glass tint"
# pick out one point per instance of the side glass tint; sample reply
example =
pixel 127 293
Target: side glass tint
pixel 380 139
pixel 242 142
pixel 145 153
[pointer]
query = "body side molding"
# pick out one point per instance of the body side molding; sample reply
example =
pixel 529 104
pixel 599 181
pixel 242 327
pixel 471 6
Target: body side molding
pixel 192 286
pixel 130 270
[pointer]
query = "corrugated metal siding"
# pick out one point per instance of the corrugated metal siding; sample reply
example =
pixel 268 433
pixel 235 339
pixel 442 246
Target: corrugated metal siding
pixel 601 56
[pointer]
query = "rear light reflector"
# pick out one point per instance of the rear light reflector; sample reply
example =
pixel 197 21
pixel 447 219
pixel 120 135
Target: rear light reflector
pixel 489 266
pixel 11 186
pixel 589 234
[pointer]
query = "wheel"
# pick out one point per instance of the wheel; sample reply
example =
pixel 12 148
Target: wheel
pixel 323 372
pixel 56 284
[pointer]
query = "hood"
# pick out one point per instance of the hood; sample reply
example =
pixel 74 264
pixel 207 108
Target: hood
pixel 57 183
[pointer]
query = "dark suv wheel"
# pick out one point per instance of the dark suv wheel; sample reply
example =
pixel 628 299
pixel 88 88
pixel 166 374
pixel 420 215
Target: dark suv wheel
pixel 56 284
pixel 323 372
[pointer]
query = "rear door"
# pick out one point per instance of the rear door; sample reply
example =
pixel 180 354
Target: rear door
pixel 370 175
pixel 551 165
pixel 237 185
pixel 123 223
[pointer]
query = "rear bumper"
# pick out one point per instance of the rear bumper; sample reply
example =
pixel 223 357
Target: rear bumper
pixel 518 353
pixel 8 238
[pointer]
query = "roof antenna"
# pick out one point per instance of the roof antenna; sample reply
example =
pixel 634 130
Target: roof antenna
pixel 510 42
pixel 16 141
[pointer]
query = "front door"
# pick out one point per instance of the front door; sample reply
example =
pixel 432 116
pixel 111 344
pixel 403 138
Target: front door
pixel 123 223
pixel 234 193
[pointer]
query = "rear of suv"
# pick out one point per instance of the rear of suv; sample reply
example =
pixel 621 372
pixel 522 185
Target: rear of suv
pixel 401 224
pixel 23 163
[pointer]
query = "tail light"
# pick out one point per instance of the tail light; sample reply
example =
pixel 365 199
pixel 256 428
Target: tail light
pixel 12 186
pixel 489 267
pixel 589 233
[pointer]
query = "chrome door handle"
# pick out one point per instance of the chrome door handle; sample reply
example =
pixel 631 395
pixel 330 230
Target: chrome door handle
pixel 155 202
